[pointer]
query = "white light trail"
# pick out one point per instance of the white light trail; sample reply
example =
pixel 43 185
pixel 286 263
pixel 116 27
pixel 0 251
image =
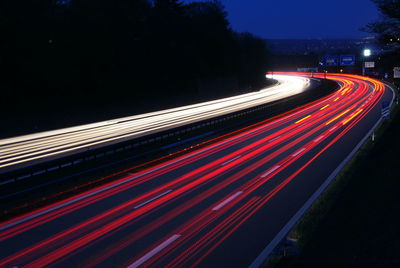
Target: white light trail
pixel 40 147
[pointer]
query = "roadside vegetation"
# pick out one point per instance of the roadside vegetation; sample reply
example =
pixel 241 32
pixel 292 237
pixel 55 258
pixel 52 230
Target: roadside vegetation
pixel 387 33
pixel 355 222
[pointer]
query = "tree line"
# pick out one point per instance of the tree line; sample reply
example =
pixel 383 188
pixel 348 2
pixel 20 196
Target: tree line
pixel 387 32
pixel 387 29
pixel 69 50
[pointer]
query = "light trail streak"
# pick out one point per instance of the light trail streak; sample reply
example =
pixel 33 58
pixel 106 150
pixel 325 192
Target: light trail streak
pixel 252 167
pixel 301 120
pixel 180 259
pixel 326 106
pixel 337 117
pixel 153 252
pixel 233 175
pixel 40 147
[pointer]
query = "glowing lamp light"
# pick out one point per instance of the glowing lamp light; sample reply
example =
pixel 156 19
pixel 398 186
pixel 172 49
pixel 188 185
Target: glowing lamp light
pixel 367 52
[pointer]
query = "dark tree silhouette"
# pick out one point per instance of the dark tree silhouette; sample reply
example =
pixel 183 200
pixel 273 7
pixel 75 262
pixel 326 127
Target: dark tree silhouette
pixel 253 58
pixel 88 52
pixel 388 28
pixel 210 39
pixel 168 5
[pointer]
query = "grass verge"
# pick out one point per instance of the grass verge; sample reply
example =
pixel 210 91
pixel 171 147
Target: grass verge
pixel 355 223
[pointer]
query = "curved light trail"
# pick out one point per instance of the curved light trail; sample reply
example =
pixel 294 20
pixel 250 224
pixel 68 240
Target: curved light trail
pixel 192 210
pixel 40 147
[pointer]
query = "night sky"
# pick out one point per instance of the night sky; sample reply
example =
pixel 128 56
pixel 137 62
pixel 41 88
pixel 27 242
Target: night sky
pixel 300 19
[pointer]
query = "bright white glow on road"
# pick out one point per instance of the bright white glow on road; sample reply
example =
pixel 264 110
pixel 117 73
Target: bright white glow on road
pixel 39 147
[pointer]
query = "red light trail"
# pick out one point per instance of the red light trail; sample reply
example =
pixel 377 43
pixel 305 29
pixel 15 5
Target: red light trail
pixel 177 213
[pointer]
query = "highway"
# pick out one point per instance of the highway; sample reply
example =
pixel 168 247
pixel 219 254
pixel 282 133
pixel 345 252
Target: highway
pixel 218 206
pixel 22 151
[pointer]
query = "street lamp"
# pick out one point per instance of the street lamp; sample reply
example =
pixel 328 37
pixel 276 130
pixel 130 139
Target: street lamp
pixel 367 53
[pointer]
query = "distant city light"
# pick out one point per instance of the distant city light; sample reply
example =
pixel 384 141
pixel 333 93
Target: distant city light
pixel 367 52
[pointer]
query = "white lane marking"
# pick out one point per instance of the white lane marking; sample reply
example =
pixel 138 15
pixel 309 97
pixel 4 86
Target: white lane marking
pixel 226 201
pixel 319 138
pixel 152 199
pixel 274 139
pixel 333 129
pixel 233 159
pixel 270 171
pixel 23 177
pixel 66 164
pixel 298 152
pixel 7 181
pixel 52 168
pixel 154 251
pixel 39 172
pixel 302 125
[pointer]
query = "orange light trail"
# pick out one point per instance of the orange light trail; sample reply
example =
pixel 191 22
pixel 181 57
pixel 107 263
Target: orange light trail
pixel 301 120
pixel 337 117
pixel 323 108
pixel 352 117
pixel 196 200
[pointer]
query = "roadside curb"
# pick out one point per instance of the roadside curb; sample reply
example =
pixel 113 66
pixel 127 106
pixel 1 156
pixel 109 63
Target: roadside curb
pixel 265 253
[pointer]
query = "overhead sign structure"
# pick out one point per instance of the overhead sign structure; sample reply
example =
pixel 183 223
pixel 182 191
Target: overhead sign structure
pixel 347 60
pixel 331 61
pixel 369 64
pixel 385 110
pixel 396 72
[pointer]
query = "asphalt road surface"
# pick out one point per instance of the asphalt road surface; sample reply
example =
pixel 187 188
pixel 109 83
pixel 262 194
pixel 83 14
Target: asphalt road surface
pixel 218 206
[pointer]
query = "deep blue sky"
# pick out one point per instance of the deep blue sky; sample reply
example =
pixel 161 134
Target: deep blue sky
pixel 301 18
